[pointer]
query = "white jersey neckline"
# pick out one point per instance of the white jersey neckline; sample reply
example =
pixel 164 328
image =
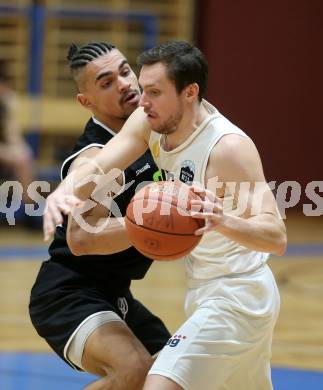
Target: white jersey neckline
pixel 214 113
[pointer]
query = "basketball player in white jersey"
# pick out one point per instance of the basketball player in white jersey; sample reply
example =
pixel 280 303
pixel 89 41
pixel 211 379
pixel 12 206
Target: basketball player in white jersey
pixel 232 301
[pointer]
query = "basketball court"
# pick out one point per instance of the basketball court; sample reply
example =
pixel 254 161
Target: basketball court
pixel 27 363
pixel 264 58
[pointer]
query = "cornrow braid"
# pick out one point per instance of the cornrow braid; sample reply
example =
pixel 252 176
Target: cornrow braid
pixel 81 56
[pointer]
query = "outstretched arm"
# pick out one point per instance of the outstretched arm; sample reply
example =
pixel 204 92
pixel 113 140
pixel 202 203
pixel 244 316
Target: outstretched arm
pixel 94 231
pixel 121 151
pixel 124 148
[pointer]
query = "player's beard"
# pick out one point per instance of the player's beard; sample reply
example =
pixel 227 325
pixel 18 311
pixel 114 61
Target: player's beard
pixel 126 115
pixel 170 125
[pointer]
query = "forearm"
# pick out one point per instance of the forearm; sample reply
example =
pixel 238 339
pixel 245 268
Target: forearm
pixel 104 168
pixel 120 152
pixel 264 233
pixel 87 177
pixel 111 238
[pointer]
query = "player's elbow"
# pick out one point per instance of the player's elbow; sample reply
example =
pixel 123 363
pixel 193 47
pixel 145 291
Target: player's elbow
pixel 281 244
pixel 76 243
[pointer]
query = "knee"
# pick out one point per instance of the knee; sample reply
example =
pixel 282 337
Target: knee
pixel 131 376
pixel 134 374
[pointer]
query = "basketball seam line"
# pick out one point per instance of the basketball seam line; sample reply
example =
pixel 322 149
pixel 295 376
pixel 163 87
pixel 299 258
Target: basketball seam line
pixel 159 231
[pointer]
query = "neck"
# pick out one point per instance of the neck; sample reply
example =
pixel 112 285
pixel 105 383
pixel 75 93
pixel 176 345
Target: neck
pixel 115 124
pixel 191 120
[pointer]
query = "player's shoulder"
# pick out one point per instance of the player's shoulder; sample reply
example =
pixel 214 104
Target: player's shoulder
pixel 233 156
pixel 233 145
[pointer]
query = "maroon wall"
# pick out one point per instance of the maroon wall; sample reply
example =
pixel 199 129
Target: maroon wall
pixel 266 75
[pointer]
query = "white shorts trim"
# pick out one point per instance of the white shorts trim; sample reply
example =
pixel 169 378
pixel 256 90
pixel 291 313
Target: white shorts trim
pixel 74 348
pixel 170 375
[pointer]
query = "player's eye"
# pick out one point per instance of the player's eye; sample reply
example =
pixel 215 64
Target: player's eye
pixel 154 92
pixel 125 72
pixel 107 84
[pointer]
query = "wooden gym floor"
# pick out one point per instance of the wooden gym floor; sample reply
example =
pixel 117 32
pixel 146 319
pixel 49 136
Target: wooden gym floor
pixel 298 340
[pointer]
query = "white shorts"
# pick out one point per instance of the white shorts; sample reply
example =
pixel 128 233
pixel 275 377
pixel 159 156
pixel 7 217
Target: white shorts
pixel 226 342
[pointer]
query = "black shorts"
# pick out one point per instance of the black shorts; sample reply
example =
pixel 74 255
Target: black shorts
pixel 61 299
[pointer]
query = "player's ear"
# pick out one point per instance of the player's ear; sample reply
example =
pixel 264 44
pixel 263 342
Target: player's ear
pixel 192 91
pixel 83 100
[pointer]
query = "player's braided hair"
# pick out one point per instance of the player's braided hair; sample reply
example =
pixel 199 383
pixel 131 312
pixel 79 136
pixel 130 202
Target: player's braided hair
pixel 81 56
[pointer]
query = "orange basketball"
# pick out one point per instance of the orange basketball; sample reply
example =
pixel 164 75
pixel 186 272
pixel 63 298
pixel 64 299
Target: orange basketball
pixel 158 222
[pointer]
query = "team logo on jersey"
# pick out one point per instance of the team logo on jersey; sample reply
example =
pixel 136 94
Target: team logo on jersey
pixel 163 175
pixel 175 340
pixel 187 172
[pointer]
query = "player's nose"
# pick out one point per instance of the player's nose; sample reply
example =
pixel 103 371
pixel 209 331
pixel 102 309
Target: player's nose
pixel 144 102
pixel 123 85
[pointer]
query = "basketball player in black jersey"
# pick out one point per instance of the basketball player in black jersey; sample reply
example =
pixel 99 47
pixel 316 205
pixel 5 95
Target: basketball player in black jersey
pixel 81 303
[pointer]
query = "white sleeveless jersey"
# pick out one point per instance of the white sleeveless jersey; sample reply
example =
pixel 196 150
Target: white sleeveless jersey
pixel 216 255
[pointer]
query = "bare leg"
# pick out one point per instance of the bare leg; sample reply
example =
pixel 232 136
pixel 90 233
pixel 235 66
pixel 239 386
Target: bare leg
pixel 113 352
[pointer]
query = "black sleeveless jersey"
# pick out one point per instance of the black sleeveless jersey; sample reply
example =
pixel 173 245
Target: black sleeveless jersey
pixel 128 264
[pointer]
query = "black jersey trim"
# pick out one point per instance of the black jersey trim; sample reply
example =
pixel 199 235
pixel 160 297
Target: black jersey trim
pixel 94 145
pixel 97 122
pixel 73 156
